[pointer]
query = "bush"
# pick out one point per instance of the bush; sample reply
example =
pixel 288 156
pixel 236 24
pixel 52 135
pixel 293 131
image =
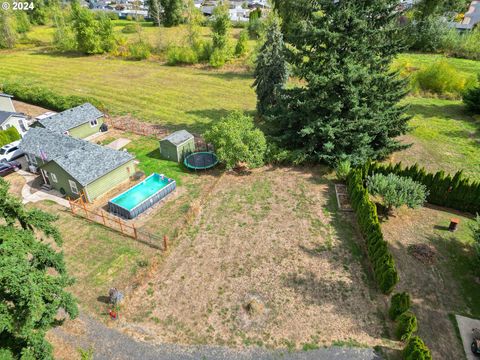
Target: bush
pixel 38 95
pixel 8 136
pixel 242 44
pixel 399 304
pixel 130 28
pixel 218 58
pixel 454 192
pixel 471 97
pixel 475 227
pixel 181 55
pixel 463 45
pixel 397 191
pixel 139 51
pixel 416 350
pixel 442 79
pixel 237 141
pixel 426 35
pixel 406 325
pixel 343 169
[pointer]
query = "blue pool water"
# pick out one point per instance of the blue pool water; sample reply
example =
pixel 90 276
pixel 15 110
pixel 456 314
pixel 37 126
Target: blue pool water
pixel 141 192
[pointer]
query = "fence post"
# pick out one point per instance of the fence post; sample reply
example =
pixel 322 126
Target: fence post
pixel 134 231
pixel 103 217
pixel 85 209
pixel 120 223
pixel 165 242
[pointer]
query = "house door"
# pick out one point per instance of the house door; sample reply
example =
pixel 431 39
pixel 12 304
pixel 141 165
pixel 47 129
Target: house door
pixel 46 180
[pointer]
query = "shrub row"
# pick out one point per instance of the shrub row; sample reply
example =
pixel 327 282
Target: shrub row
pixel 416 350
pixel 379 255
pixel 8 136
pixel 455 192
pixel 38 95
pixel 406 325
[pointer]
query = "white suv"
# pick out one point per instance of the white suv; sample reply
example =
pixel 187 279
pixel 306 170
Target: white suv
pixel 10 152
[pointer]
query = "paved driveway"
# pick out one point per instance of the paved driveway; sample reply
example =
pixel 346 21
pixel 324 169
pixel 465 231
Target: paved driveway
pixel 110 344
pixel 465 325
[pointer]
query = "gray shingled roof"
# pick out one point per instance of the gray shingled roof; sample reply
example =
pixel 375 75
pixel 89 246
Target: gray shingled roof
pixel 178 137
pixel 472 17
pixel 84 161
pixel 90 162
pixel 71 118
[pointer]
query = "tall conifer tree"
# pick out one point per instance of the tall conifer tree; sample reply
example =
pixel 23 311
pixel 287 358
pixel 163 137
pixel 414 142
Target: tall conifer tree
pixel 347 106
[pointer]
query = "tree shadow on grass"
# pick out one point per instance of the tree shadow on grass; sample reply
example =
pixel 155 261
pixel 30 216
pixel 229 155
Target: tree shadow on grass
pixel 230 75
pixel 452 111
pixel 215 114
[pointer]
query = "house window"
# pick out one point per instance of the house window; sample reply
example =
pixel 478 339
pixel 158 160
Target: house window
pixel 53 177
pixel 73 186
pixel 93 123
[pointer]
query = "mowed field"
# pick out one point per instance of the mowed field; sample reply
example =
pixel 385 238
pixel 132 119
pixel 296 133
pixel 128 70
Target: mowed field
pixel 444 135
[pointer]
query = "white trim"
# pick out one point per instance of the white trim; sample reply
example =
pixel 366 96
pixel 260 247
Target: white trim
pixel 53 177
pixel 73 187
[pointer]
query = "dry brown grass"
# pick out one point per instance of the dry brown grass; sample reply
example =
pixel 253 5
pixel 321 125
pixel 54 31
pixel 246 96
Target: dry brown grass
pixel 265 239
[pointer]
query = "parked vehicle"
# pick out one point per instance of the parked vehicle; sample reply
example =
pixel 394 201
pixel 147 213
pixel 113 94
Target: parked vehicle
pixel 9 167
pixel 476 341
pixel 10 152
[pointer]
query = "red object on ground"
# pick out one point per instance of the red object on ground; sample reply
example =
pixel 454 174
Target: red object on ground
pixel 113 314
pixel 454 224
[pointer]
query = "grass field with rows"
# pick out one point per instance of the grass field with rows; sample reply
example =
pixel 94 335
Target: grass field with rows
pixel 443 133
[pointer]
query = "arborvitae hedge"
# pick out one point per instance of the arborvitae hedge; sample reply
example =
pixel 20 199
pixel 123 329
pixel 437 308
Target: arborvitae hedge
pixel 379 255
pixel 454 192
pixel 399 304
pixel 8 136
pixel 406 325
pixel 38 95
pixel 416 350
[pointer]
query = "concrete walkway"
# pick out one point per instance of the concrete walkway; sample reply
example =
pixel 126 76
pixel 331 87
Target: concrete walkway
pixel 33 195
pixel 110 344
pixel 465 325
pixel 118 144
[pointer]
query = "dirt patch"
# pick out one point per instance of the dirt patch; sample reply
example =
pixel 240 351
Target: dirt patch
pixel 16 183
pixel 424 253
pixel 30 110
pixel 268 261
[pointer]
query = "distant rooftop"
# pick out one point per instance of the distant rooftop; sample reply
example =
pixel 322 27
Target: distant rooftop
pixel 5 115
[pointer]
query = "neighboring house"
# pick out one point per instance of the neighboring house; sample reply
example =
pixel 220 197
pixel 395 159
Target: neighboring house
pixel 471 18
pixel 6 103
pixel 13 119
pixel 78 122
pixel 74 166
pixel 177 145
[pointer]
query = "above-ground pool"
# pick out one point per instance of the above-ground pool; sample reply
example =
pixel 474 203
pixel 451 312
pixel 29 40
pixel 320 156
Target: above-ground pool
pixel 139 198
pixel 201 160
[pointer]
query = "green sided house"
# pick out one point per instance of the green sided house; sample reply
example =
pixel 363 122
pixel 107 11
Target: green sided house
pixel 74 166
pixel 78 122
pixel 177 145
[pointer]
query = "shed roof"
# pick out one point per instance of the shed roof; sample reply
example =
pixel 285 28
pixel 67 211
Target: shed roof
pixel 71 118
pixel 178 137
pixel 5 115
pixel 84 161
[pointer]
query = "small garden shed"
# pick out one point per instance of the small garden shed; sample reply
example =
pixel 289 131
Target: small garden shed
pixel 177 145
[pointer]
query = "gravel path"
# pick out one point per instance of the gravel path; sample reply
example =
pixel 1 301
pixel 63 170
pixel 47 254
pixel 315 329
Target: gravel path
pixel 110 344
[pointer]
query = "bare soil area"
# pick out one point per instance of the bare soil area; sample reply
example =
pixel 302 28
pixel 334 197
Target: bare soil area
pixel 268 261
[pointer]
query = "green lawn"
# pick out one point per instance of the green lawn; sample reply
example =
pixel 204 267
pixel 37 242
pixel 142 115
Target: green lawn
pixel 193 97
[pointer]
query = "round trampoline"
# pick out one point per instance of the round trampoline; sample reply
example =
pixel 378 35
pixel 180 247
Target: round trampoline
pixel 201 161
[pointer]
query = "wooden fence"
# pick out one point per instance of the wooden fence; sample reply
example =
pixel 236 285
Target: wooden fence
pixel 78 207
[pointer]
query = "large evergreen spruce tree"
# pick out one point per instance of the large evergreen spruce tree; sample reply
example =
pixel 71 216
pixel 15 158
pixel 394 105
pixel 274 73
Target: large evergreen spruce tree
pixel 347 106
pixel 172 12
pixel 271 68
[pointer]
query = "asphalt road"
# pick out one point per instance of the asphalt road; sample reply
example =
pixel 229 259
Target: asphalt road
pixel 110 344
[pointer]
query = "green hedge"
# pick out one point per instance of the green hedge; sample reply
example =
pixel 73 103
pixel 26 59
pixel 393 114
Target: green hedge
pixel 399 304
pixel 406 325
pixel 416 350
pixel 455 192
pixel 8 136
pixel 379 255
pixel 37 95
